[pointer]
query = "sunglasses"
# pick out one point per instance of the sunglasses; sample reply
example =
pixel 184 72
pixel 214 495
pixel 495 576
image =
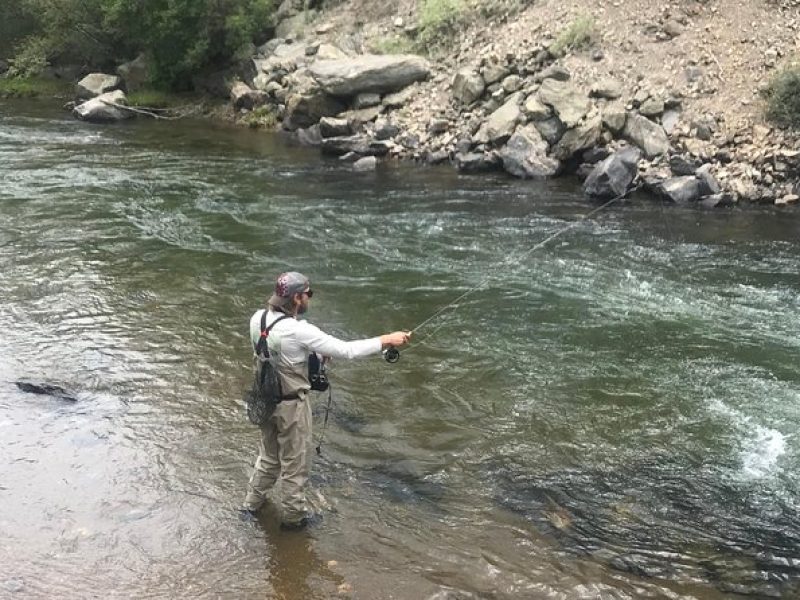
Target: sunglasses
pixel 309 293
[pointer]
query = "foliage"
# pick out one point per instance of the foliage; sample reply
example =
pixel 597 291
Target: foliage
pixel 438 20
pixel 262 117
pixel 578 34
pixel 179 37
pixel 29 87
pixel 783 97
pixel 393 44
pixel 149 98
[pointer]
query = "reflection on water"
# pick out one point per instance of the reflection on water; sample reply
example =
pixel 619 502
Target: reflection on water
pixel 613 416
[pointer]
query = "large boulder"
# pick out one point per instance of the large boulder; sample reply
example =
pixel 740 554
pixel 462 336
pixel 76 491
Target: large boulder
pixel 306 109
pixel 525 155
pixel 102 110
pixel 681 190
pixel 581 137
pixel 646 134
pixel 369 73
pixel 135 73
pixel 244 98
pixel 468 85
pixel 612 177
pixel 95 84
pixel 502 122
pixel 568 102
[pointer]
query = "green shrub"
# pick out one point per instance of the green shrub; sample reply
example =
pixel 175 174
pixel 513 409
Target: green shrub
pixel 577 35
pixel 393 44
pixel 261 117
pixel 783 97
pixel 438 20
pixel 31 87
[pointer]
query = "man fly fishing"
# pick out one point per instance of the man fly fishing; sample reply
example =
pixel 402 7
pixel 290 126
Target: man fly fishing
pixel 285 449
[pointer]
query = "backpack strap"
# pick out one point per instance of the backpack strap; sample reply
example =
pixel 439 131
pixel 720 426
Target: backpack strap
pixel 262 341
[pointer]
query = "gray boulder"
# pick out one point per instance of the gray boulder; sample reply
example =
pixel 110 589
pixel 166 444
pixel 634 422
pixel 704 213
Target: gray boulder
pixel 467 86
pixel 304 110
pixel 244 98
pixel 646 134
pixel 607 88
pixel 366 100
pixel 95 84
pixel 502 122
pixel 584 135
pixel 681 190
pixel 332 127
pixel 367 163
pixel 369 73
pixel 612 177
pixel 135 73
pixel 551 129
pixel 477 162
pixel 100 109
pixel 525 155
pixel 569 103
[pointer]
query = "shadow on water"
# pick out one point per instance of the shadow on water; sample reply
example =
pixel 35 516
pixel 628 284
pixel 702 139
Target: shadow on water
pixel 652 518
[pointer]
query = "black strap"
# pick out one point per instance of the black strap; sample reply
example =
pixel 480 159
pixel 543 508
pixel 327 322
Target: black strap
pixel 262 341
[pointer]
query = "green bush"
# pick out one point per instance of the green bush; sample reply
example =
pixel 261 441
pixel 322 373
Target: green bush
pixel 577 35
pixel 783 97
pixel 262 117
pixel 438 20
pixel 30 87
pixel 181 38
pixel 393 44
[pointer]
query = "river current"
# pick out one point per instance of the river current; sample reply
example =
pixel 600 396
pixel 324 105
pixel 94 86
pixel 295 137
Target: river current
pixel 614 415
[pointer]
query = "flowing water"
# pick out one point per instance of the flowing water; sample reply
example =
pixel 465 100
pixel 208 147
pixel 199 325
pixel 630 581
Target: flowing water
pixel 612 416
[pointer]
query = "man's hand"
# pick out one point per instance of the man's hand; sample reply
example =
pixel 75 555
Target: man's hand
pixel 398 338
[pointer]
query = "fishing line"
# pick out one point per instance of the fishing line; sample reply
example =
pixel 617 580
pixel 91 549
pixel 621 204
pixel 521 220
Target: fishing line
pixel 392 354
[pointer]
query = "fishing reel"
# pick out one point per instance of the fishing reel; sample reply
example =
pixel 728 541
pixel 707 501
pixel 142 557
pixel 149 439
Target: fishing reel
pixel 391 354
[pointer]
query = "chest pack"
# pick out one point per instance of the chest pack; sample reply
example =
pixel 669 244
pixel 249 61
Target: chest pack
pixel 266 391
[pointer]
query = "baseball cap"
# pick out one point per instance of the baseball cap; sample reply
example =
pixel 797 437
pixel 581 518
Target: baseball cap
pixel 287 285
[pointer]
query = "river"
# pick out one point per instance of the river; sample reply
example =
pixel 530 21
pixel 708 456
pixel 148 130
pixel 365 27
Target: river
pixel 614 415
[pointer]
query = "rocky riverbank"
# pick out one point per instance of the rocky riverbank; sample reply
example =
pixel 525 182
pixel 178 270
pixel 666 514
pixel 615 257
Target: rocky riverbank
pixel 662 96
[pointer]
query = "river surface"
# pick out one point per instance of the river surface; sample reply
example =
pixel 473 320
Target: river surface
pixel 614 415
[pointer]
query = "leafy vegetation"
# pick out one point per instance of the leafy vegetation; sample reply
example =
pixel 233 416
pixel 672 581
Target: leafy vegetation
pixel 438 20
pixel 783 97
pixel 261 117
pixel 393 44
pixel 29 87
pixel 577 35
pixel 179 37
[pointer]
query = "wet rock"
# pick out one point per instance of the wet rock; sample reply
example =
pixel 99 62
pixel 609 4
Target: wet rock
pixel 368 163
pixel 101 109
pixel 646 134
pixel 385 130
pixel 477 162
pixel 46 389
pixel 787 199
pixel 96 84
pixel 681 190
pixel 683 165
pixel 525 155
pixel 245 98
pixel 569 104
pixel 717 201
pixel 708 183
pixel 467 86
pixel 310 136
pixel 614 175
pixel 333 127
pixel 338 146
pixel 369 73
pixel 583 136
pixel 306 109
pixel 361 116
